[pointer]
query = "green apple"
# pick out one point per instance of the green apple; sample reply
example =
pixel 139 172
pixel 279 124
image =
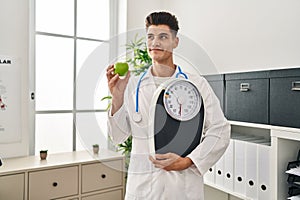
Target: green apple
pixel 121 68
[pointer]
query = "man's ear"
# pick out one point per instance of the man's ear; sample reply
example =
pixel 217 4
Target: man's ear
pixel 176 42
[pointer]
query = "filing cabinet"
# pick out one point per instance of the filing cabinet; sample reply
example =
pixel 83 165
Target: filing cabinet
pixel 247 97
pixel 217 83
pixel 285 97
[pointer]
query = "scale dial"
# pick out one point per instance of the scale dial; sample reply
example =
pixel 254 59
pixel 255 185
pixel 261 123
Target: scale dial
pixel 182 100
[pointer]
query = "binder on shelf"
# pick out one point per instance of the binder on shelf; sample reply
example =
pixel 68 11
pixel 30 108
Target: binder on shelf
pixel 209 176
pixel 264 166
pixel 229 166
pixel 219 172
pixel 253 185
pixel 251 170
pixel 245 166
pixel 239 185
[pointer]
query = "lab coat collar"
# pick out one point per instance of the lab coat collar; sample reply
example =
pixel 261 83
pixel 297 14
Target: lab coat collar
pixel 150 75
pixel 148 79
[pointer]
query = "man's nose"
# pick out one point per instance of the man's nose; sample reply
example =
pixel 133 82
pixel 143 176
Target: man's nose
pixel 155 42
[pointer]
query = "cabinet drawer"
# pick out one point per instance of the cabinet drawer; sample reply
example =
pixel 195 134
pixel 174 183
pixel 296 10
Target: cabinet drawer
pixel 12 187
pixel 53 183
pixel 248 100
pixel 112 195
pixel 285 101
pixel 98 176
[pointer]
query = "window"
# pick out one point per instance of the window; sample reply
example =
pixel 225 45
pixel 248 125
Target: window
pixel 66 32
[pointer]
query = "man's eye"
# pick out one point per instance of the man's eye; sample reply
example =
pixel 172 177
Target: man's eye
pixel 163 37
pixel 150 37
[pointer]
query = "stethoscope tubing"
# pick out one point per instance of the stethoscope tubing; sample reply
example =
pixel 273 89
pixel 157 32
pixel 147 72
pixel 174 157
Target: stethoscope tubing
pixel 139 83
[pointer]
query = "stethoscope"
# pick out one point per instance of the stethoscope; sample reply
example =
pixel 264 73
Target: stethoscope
pixel 137 117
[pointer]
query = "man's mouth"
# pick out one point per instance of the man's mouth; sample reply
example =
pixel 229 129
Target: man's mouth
pixel 156 49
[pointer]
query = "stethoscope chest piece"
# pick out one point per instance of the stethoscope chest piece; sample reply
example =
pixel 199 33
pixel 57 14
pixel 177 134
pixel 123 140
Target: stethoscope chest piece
pixel 137 117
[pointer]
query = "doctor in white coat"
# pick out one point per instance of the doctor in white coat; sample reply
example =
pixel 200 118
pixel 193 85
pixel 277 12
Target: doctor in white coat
pixel 163 176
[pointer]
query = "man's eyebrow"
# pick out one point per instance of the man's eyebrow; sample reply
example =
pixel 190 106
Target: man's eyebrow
pixel 158 34
pixel 164 34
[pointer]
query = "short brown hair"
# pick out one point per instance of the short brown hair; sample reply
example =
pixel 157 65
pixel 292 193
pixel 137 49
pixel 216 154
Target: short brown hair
pixel 162 18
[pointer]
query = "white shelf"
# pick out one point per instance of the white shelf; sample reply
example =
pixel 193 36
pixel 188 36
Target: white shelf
pixel 284 146
pixel 227 191
pixel 251 125
pixel 265 126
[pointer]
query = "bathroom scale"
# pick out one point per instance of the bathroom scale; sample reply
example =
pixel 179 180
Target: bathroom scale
pixel 177 117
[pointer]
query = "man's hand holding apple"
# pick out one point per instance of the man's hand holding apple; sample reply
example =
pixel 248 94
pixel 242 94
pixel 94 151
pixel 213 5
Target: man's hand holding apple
pixel 117 85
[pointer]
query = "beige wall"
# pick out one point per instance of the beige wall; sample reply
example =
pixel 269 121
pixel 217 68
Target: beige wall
pixel 237 35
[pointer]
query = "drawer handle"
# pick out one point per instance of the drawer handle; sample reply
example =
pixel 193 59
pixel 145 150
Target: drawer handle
pixel 296 85
pixel 55 184
pixel 244 87
pixel 103 176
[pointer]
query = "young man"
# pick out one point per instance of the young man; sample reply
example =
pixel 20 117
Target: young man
pixel 163 176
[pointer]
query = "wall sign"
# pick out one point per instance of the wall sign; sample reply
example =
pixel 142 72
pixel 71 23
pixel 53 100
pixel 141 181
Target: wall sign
pixel 10 99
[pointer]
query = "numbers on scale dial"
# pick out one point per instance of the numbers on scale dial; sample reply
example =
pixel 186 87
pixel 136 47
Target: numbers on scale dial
pixel 182 100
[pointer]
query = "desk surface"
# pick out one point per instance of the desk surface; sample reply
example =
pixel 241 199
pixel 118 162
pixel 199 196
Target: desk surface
pixel 26 163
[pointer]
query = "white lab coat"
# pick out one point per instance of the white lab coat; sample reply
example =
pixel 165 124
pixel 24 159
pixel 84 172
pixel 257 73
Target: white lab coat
pixel 145 182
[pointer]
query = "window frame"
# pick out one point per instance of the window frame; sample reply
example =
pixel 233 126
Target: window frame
pixel 113 21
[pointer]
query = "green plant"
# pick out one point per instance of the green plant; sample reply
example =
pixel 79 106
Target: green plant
pixel 137 58
pixel 125 147
pixel 139 61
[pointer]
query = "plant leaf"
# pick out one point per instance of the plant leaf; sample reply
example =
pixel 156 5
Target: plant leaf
pixel 106 98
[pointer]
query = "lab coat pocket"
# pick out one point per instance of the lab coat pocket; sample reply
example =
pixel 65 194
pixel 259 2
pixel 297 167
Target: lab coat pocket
pixel 139 176
pixel 139 185
pixel 193 183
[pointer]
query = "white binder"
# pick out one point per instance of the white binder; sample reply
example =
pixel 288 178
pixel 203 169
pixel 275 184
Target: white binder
pixel 229 166
pixel 239 166
pixel 251 170
pixel 219 172
pixel 264 190
pixel 209 176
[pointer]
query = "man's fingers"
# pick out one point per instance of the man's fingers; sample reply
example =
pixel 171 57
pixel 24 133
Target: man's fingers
pixel 162 156
pixel 162 163
pixel 110 73
pixel 151 159
pixel 159 166
pixel 110 67
pixel 127 76
pixel 112 82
